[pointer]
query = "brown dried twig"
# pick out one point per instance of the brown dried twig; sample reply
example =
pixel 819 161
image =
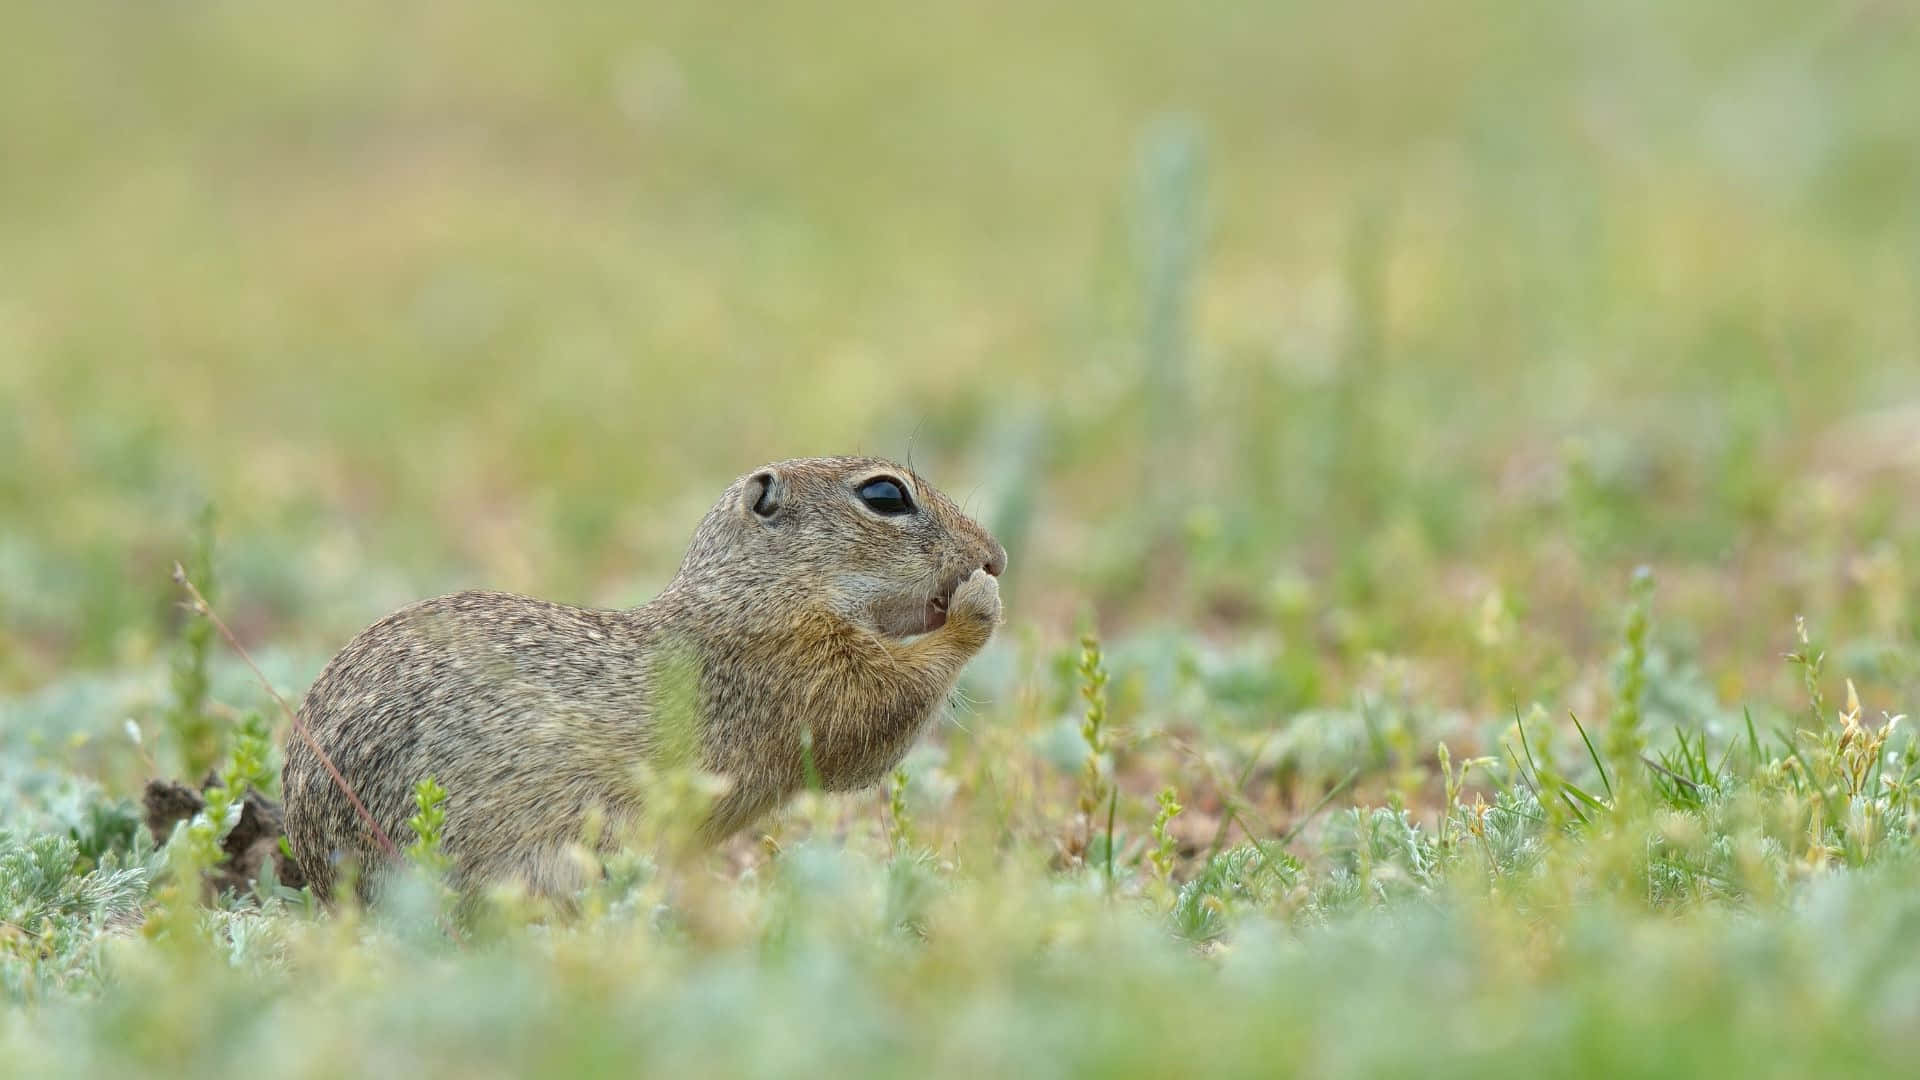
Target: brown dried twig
pixel 202 608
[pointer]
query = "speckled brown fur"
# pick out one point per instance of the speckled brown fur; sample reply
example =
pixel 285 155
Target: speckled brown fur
pixel 800 606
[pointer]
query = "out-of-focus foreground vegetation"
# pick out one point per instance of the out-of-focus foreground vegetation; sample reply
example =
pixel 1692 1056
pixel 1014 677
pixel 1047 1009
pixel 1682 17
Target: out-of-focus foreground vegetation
pixel 1369 378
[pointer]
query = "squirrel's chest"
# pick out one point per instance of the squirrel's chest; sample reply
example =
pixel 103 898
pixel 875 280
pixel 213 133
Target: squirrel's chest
pixel 837 726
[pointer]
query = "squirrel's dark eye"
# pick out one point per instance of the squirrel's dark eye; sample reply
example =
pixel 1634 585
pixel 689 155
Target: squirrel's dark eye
pixel 886 496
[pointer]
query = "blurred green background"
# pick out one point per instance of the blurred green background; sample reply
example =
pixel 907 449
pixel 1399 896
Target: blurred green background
pixel 1340 364
pixel 1365 323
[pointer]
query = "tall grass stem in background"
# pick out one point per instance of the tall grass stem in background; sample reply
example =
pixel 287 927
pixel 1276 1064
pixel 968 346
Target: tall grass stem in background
pixel 1356 445
pixel 1625 740
pixel 1172 186
pixel 1094 777
pixel 195 737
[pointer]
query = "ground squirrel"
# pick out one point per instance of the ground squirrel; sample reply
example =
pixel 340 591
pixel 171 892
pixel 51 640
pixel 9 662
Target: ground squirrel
pixel 827 606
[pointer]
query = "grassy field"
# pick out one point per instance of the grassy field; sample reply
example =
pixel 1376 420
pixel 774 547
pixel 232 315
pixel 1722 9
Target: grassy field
pixel 1464 458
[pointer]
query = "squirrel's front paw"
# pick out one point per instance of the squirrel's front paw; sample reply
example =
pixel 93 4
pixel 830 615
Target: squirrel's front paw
pixel 977 600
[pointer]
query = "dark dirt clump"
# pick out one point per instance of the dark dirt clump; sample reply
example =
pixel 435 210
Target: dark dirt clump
pixel 253 841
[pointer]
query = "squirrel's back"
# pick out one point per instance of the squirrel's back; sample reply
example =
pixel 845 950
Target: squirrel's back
pixel 528 713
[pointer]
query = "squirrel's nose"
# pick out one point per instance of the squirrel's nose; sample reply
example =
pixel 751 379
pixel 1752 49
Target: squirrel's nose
pixel 996 560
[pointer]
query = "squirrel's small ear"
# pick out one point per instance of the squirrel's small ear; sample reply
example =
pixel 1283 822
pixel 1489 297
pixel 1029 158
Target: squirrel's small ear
pixel 766 491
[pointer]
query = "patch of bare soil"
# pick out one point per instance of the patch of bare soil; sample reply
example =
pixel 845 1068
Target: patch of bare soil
pixel 247 848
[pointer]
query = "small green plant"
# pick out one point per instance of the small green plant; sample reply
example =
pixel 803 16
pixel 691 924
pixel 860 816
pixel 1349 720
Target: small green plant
pixel 1377 855
pixel 194 848
pixel 195 735
pixel 56 911
pixel 248 766
pixel 1625 740
pixel 1563 800
pixel 1811 661
pixel 1165 847
pixel 106 826
pixel 1249 876
pixel 1093 776
pixel 209 828
pixel 1453 783
pixel 897 811
pixel 426 897
pixel 428 820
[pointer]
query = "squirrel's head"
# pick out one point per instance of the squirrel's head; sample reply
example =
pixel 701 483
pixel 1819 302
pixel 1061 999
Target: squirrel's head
pixel 864 537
